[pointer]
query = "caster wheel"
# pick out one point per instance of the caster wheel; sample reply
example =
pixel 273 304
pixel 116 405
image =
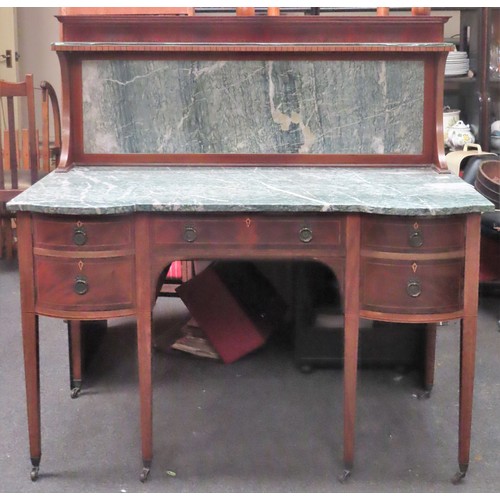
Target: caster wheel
pixel 144 474
pixel 424 394
pixel 457 478
pixel 344 476
pixel 34 474
pixel 75 392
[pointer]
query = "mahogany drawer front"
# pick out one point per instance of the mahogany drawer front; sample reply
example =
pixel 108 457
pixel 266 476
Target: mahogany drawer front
pixel 77 284
pixel 412 234
pixel 70 233
pixel 315 231
pixel 412 287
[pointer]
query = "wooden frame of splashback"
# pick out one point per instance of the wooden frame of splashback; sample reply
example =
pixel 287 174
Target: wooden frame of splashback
pixel 329 39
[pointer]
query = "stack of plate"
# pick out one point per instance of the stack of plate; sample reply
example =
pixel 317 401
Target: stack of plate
pixel 457 63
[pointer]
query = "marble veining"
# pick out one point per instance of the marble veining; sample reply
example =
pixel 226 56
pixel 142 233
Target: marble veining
pixel 113 190
pixel 252 106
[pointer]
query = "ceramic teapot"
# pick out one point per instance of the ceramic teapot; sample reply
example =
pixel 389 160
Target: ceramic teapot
pixel 450 118
pixel 459 135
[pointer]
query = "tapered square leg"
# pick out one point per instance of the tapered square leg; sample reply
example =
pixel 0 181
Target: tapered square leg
pixel 32 380
pixel 430 356
pixel 467 366
pixel 351 336
pixel 83 340
pixel 145 286
pixel 145 386
pixel 75 357
pixel 468 332
pixel 351 330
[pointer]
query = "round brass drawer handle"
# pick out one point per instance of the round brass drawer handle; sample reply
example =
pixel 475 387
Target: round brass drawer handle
pixel 416 239
pixel 190 234
pixel 305 235
pixel 79 236
pixel 81 285
pixel 413 288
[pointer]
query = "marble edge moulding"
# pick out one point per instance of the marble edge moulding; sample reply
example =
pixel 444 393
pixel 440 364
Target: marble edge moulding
pixel 214 45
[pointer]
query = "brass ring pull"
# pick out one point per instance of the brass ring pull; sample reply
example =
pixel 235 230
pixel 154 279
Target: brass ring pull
pixel 413 288
pixel 81 285
pixel 305 235
pixel 416 239
pixel 79 236
pixel 190 234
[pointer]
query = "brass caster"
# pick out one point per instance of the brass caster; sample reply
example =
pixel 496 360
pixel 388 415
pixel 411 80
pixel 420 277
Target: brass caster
pixel 34 473
pixel 144 474
pixel 424 394
pixel 457 478
pixel 344 476
pixel 75 392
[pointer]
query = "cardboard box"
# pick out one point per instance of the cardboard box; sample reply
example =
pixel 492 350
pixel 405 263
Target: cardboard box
pixel 235 305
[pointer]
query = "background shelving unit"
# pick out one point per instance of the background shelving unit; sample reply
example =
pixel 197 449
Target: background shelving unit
pixel 478 98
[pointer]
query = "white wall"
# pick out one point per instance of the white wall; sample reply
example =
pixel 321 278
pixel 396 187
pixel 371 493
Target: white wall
pixel 37 28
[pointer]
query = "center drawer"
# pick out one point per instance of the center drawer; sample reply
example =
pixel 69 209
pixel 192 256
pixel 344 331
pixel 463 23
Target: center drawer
pixel 259 230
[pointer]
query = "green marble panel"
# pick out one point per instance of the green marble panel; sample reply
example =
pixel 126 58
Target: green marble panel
pixel 253 106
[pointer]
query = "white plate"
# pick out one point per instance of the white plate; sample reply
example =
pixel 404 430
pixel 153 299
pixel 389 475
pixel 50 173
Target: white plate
pixel 459 65
pixel 464 69
pixel 455 73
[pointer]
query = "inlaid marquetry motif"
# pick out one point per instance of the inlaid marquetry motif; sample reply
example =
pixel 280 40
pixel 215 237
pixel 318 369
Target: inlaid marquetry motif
pixel 249 106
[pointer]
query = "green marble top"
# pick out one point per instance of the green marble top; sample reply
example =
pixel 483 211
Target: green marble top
pixel 113 190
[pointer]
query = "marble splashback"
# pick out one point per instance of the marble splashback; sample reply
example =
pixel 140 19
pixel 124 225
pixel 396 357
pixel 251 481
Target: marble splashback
pixel 251 106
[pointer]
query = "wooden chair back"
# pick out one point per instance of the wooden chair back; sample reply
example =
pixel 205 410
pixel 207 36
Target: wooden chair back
pixel 22 159
pixel 11 181
pixel 50 152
